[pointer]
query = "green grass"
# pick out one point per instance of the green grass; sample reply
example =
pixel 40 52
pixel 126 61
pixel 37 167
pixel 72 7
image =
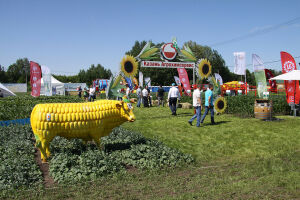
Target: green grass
pixel 235 159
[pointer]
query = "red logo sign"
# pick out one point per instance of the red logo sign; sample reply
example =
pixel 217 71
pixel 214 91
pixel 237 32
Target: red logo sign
pixel 168 51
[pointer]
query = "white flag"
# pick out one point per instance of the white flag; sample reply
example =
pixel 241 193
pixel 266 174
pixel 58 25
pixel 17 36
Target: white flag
pixel 257 63
pixel 219 78
pixel 47 80
pixel 141 78
pixel 239 63
pixel 148 81
pixel 177 80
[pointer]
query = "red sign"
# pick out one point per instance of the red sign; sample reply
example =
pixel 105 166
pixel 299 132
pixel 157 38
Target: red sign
pixel 35 79
pixel 160 64
pixel 184 79
pixel 168 51
pixel 291 87
pixel 273 85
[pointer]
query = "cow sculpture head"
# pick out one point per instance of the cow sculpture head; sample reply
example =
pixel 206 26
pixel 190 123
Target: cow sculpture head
pixel 126 110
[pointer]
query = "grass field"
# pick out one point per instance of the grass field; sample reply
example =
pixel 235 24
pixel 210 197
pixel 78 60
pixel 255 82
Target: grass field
pixel 235 159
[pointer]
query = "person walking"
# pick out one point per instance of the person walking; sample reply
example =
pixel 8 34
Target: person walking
pixel 172 98
pixel 145 97
pixel 139 96
pixel 79 91
pixel 92 94
pixel 197 105
pixel 160 95
pixel 149 96
pixel 209 105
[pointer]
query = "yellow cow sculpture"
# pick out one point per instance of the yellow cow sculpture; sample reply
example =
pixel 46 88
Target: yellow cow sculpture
pixel 87 121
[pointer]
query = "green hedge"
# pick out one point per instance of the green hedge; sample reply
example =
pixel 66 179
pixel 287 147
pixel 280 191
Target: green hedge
pixel 243 105
pixel 20 107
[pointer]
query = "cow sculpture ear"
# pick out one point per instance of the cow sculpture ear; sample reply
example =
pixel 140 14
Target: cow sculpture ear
pixel 120 104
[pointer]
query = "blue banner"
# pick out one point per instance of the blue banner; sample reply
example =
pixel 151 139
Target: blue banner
pixel 16 121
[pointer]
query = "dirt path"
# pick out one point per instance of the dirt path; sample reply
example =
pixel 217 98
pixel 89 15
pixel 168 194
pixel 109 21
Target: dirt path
pixel 44 167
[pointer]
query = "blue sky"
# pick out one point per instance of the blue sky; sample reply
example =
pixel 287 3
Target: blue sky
pixel 70 35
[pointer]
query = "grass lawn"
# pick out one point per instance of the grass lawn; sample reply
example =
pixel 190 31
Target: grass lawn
pixel 239 158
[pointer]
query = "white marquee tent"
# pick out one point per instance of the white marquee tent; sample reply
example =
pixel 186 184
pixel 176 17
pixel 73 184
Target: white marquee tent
pixel 59 86
pixel 5 92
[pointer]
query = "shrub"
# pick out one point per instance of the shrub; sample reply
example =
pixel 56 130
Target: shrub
pixel 17 164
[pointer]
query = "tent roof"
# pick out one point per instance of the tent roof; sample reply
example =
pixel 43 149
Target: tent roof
pixel 289 76
pixel 5 91
pixel 53 81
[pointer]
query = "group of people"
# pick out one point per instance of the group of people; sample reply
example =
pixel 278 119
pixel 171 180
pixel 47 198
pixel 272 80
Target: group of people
pixel 88 94
pixel 197 103
pixel 174 96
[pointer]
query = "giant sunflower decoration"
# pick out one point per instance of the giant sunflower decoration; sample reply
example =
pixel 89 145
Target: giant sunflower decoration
pixel 220 104
pixel 204 68
pixel 129 66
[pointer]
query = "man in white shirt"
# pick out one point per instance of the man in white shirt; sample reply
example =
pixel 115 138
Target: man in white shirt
pixel 197 105
pixel 172 98
pixel 139 96
pixel 145 97
pixel 92 94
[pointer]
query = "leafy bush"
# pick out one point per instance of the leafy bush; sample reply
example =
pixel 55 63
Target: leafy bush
pixel 74 161
pixel 17 164
pixel 19 107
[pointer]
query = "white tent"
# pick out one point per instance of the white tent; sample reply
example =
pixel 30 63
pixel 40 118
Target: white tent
pixel 289 76
pixel 5 92
pixel 59 86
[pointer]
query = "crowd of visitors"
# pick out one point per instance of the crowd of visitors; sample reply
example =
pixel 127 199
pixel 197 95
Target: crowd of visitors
pixel 144 98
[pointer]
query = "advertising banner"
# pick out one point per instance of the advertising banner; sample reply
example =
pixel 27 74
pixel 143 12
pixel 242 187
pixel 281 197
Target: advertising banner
pixel 291 87
pixel 35 79
pixel 239 63
pixel 260 76
pixel 141 78
pixel 161 64
pixel 273 85
pixel 148 81
pixel 184 79
pixel 219 78
pixel 47 80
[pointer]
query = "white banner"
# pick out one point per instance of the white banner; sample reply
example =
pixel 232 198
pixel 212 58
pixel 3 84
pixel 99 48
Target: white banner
pixel 177 80
pixel 47 80
pixel 239 63
pixel 161 64
pixel 141 78
pixel 219 78
pixel 148 81
pixel 257 63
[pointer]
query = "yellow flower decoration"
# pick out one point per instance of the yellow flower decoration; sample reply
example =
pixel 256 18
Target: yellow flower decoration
pixel 220 104
pixel 129 66
pixel 204 68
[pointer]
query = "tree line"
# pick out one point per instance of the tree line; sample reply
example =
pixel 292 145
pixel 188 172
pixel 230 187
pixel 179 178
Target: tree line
pixel 19 71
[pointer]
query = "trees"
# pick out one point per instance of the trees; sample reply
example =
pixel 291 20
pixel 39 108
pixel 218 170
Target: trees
pixel 19 72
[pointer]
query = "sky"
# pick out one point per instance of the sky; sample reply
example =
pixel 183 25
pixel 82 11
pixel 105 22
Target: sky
pixel 69 35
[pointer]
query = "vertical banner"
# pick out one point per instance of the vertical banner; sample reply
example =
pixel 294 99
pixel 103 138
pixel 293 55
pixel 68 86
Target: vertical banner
pixel 291 87
pixel 219 78
pixel 178 83
pixel 47 80
pixel 184 79
pixel 260 76
pixel 141 78
pixel 148 81
pixel 239 63
pixel 35 79
pixel 273 85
